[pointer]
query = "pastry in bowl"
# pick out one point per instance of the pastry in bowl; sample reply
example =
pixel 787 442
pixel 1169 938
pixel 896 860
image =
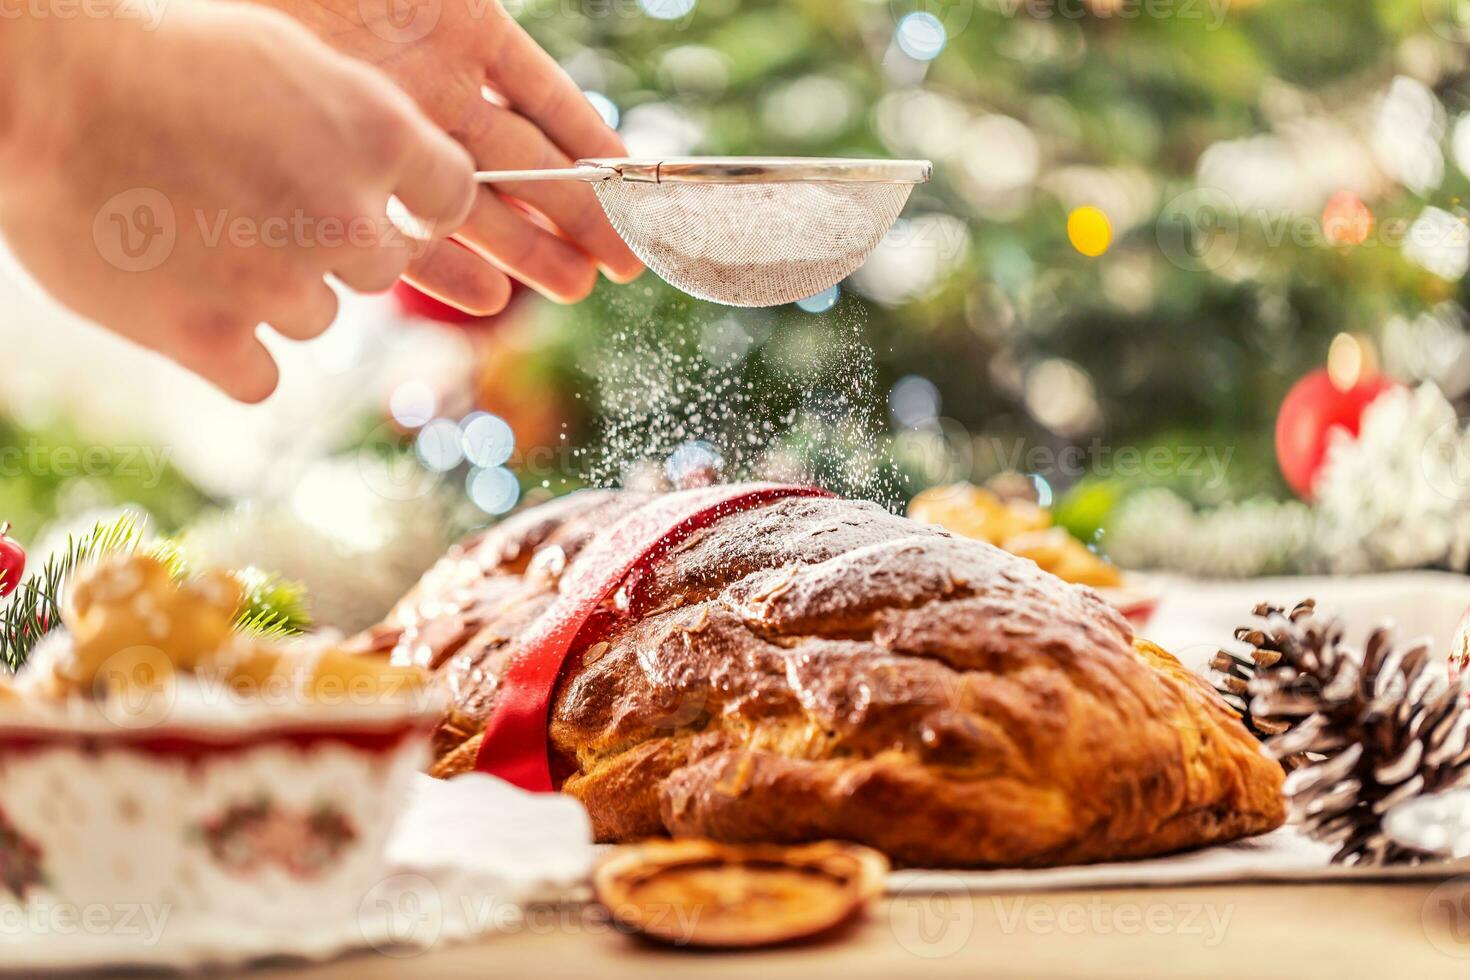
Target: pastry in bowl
pixel 806 668
pixel 152 758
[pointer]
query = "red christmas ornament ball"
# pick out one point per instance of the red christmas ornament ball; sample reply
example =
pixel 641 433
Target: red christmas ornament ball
pixel 417 303
pixel 12 561
pixel 1312 409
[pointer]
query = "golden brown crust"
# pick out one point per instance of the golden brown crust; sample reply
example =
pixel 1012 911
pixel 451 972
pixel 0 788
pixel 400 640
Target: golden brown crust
pixel 819 668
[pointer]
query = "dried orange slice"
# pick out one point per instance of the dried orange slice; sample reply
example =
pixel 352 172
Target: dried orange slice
pixel 701 893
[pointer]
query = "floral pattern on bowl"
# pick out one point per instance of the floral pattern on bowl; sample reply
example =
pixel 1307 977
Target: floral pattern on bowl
pixel 247 836
pixel 20 862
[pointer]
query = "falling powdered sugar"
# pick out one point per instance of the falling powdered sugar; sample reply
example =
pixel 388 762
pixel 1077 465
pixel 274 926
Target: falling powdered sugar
pixel 724 395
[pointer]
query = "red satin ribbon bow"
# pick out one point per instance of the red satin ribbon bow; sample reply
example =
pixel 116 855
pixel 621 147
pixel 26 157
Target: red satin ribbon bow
pixel 515 746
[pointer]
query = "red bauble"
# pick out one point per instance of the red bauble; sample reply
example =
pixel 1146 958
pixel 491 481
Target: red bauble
pixel 416 303
pixel 12 561
pixel 1312 409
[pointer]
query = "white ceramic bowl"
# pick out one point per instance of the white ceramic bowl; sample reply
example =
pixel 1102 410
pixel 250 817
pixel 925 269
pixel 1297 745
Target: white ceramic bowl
pixel 201 821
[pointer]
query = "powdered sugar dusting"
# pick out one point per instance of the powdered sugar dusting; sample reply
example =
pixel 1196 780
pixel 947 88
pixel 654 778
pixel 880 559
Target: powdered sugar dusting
pixel 717 395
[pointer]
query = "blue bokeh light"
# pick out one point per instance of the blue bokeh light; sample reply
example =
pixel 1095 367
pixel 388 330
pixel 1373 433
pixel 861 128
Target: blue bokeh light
pixel 667 9
pixel 921 36
pixel 494 490
pixel 606 108
pixel 487 440
pixel 438 445
pixel 822 302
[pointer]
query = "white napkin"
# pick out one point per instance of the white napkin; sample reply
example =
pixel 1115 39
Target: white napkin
pixel 536 844
pixel 1282 855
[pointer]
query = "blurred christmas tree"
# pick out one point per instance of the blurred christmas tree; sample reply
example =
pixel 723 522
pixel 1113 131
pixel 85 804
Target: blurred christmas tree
pixel 1148 219
pixel 1252 178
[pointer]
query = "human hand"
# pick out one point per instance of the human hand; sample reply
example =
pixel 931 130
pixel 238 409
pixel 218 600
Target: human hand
pixel 181 185
pixel 444 55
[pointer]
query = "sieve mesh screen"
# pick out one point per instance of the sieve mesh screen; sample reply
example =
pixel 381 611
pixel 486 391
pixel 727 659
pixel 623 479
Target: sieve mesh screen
pixel 754 243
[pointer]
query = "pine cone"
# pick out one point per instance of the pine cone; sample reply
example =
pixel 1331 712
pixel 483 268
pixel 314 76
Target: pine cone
pixel 1370 731
pixel 1290 641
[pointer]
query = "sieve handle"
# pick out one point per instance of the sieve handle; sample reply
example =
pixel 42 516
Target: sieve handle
pixel 570 173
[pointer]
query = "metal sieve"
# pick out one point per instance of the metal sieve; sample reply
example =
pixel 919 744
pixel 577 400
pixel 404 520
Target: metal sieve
pixel 746 231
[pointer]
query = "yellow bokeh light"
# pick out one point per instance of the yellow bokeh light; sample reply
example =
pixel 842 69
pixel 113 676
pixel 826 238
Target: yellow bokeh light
pixel 1351 357
pixel 1089 231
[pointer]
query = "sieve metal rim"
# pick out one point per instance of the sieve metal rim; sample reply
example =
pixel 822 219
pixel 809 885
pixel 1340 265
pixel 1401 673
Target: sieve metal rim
pixel 739 170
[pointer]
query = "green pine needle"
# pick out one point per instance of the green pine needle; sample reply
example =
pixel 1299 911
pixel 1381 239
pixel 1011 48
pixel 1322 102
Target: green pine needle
pixel 35 606
pixel 274 608
pixel 167 550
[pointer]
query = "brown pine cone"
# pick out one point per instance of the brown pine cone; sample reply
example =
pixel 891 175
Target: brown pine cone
pixel 1295 642
pixel 1369 731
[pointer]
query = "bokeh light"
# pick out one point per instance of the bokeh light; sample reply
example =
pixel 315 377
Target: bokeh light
pixel 921 35
pixel 666 9
pixel 487 440
pixel 915 255
pixel 694 69
pixel 494 490
pixel 1044 492
pixel 438 446
pixel 606 108
pixel 812 108
pixel 659 129
pixel 1346 220
pixel 694 464
pixel 1406 135
pixel 1060 395
pixel 913 401
pixel 1089 231
pixel 1347 358
pixel 821 302
pixel 1460 143
pixel 412 404
pixel 1439 242
pixel 1000 157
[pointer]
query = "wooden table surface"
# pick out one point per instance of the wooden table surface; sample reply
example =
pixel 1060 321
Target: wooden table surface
pixel 1417 929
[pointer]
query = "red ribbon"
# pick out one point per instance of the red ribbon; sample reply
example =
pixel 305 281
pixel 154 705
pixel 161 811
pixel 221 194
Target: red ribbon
pixel 515 746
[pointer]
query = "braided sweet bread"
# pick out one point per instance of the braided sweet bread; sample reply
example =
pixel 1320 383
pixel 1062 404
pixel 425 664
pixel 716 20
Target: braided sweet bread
pixel 819 668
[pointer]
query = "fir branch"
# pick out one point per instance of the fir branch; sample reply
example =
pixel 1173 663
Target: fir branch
pixel 266 624
pixel 274 608
pixel 35 606
pixel 167 550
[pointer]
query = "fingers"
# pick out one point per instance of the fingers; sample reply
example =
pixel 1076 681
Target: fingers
pixel 428 171
pixel 250 375
pixel 501 139
pixel 509 237
pixel 375 269
pixel 438 180
pixel 452 274
pixel 223 349
pixel 533 83
pixel 306 314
